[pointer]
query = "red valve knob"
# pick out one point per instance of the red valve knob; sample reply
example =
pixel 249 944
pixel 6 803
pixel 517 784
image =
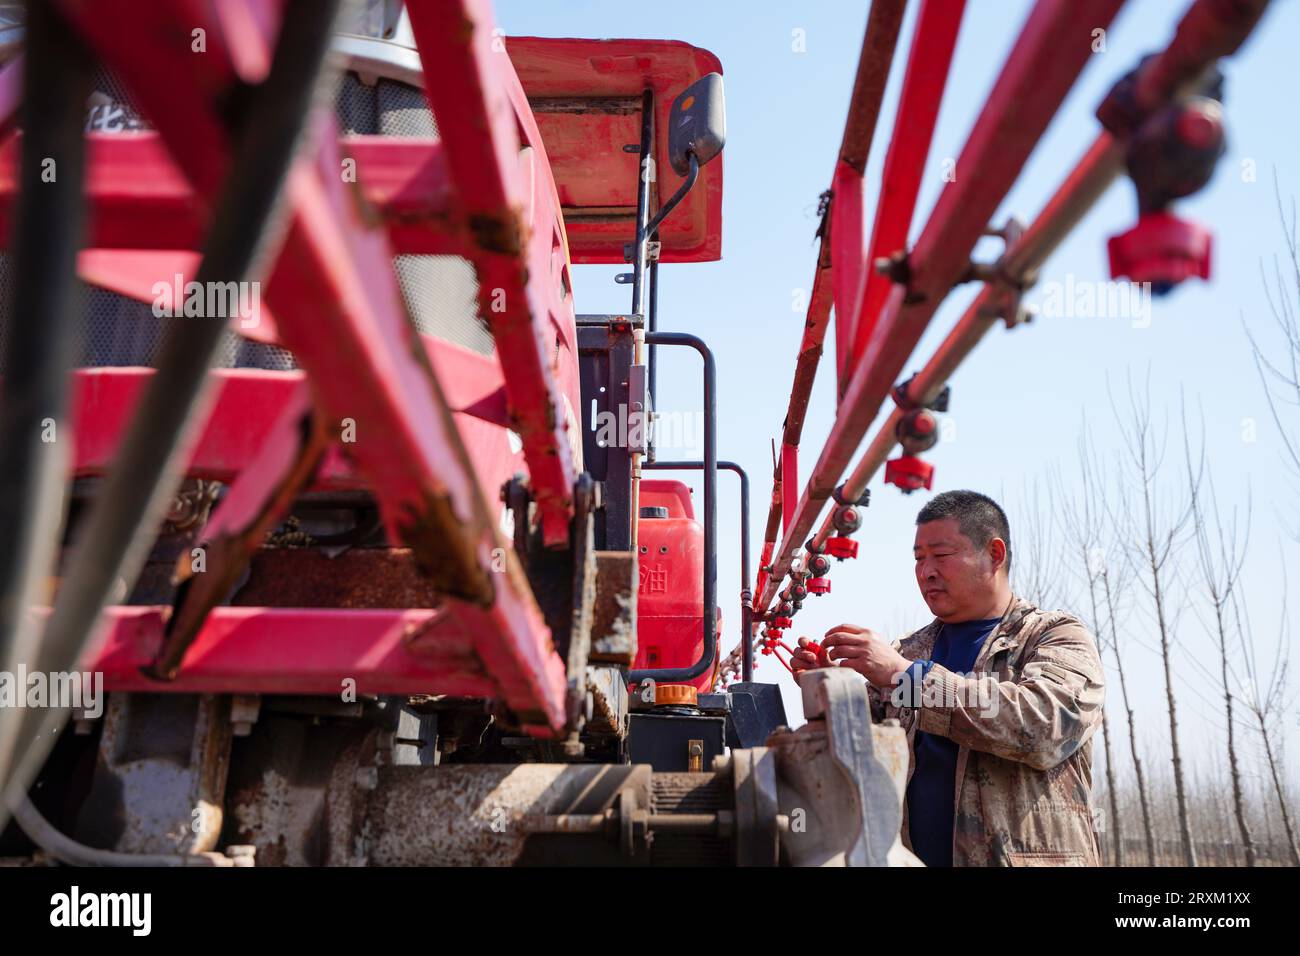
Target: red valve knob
pixel 909 474
pixel 841 548
pixel 819 585
pixel 823 659
pixel 1161 249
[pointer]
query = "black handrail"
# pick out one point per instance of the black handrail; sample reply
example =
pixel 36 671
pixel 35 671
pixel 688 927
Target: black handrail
pixel 666 675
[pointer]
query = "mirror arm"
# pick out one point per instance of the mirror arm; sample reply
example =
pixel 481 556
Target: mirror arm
pixel 676 197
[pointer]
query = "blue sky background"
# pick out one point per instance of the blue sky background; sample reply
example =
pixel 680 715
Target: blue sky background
pixel 1018 402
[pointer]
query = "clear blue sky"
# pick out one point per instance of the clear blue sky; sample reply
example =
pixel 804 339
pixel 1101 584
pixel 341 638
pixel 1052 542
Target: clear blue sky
pixel 1018 401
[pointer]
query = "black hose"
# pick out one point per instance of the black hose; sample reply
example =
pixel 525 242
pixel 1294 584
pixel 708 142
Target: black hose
pixel 123 522
pixel 44 334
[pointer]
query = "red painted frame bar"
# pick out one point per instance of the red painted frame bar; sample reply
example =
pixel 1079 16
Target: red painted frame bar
pixel 1052 49
pixel 497 184
pixel 848 259
pixel 246 402
pixel 1096 170
pixel 1207 32
pixel 789 480
pixel 928 63
pixel 839 254
pixel 245 406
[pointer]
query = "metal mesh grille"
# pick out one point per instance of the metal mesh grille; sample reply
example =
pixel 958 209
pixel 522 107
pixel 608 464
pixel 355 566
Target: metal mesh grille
pixel 440 292
pixel 110 108
pixel 117 330
pixel 387 108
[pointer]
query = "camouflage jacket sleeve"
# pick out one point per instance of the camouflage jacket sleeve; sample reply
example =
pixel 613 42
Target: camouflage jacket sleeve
pixel 1040 716
pixel 878 699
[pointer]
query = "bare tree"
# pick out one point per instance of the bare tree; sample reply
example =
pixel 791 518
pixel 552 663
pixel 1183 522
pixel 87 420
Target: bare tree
pixel 1082 523
pixel 1280 373
pixel 1038 566
pixel 1221 552
pixel 1161 533
pixel 1266 701
pixel 1115 573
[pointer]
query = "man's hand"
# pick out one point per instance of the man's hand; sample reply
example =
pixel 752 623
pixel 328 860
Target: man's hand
pixel 866 652
pixel 806 658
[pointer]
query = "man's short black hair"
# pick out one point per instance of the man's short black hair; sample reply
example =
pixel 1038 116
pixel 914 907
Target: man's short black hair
pixel 978 516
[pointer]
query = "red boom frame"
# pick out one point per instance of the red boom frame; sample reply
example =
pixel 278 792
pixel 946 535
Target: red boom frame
pixel 484 191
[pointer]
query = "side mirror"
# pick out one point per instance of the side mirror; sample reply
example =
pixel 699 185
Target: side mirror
pixel 697 124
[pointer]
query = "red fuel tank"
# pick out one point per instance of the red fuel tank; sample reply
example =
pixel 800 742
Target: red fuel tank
pixel 670 600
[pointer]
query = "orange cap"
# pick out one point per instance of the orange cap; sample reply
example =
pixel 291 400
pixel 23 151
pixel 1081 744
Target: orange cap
pixel 675 694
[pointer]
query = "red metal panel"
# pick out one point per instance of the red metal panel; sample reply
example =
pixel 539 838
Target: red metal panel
pixel 253 650
pixel 596 180
pixel 139 199
pixel 244 406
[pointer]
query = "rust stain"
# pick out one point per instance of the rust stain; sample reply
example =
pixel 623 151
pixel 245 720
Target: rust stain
pixel 496 233
pixel 445 549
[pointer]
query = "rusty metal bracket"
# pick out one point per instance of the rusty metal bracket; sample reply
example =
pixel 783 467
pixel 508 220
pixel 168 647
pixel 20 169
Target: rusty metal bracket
pixel 256 501
pixel 613 628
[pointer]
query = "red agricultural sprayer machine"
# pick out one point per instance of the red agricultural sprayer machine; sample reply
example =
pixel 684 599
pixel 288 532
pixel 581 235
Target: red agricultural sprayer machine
pixel 308 455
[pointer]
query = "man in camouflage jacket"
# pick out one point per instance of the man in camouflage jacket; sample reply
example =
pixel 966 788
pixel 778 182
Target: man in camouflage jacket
pixel 1020 720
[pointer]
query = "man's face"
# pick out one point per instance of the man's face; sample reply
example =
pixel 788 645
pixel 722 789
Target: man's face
pixel 957 579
